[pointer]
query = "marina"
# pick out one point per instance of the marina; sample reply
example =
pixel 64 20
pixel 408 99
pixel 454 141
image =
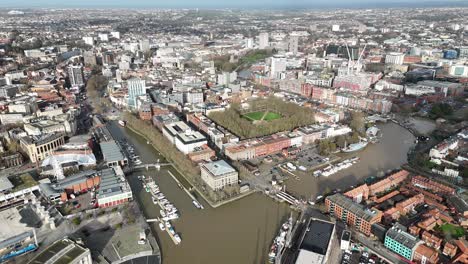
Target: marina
pixel 332 169
pixel 259 216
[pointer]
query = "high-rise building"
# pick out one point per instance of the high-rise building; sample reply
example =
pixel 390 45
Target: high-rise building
pixel 278 64
pixel 75 73
pixel 396 58
pixel 263 40
pixel 136 87
pixel 249 43
pixel 144 45
pixel 293 44
pixel 108 58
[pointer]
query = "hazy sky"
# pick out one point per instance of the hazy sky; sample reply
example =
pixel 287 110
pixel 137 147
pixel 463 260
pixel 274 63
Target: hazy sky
pixel 225 3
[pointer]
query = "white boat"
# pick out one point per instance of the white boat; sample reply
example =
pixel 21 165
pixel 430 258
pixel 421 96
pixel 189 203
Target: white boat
pixel 355 146
pixel 122 123
pixel 155 201
pixel 163 214
pixel 168 224
pixel 177 238
pixel 197 204
pixel 161 226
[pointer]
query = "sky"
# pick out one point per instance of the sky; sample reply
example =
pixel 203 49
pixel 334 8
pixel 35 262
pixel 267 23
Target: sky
pixel 227 3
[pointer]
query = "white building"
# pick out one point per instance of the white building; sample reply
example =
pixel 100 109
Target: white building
pixel 184 138
pixel 335 28
pixel 278 65
pixel 103 37
pixel 249 43
pixel 89 40
pixel 64 251
pixel 459 70
pixel 218 174
pixel 396 58
pixel 293 43
pixel 113 188
pixel 263 40
pixel 115 34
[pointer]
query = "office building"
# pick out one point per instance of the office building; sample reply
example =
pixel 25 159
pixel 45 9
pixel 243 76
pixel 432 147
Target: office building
pixel 353 214
pixel 263 40
pixel 218 174
pixel 75 74
pixel 136 88
pixel 401 242
pixel 89 58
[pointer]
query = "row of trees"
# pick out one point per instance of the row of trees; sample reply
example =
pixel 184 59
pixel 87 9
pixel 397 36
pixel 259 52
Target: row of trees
pixel 293 116
pixel 327 146
pixel 167 149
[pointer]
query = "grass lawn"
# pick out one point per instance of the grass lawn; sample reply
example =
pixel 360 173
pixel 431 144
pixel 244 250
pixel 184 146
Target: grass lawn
pixel 254 116
pixel 454 231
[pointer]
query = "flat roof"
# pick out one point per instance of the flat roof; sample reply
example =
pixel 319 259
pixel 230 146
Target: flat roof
pixel 219 168
pixel 317 236
pixel 399 234
pixel 307 257
pixel 5 184
pixel 12 224
pixel 111 151
pixel 60 252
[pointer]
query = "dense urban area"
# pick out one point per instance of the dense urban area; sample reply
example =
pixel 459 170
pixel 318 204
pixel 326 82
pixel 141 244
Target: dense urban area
pixel 234 136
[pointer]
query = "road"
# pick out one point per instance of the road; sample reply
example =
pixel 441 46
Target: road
pixel 378 248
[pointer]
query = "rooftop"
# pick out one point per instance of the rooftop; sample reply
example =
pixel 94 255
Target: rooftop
pixel 111 151
pixel 317 236
pixel 399 234
pixel 60 252
pixel 218 168
pixel 357 209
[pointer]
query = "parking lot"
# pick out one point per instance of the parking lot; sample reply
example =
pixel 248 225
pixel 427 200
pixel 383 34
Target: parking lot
pixel 358 254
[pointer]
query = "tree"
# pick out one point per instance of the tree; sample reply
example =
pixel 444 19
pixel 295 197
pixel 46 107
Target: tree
pixel 357 122
pixel 341 141
pixel 440 110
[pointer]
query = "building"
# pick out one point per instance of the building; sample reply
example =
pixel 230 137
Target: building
pixel 38 148
pixel 113 188
pixel 185 139
pixel 75 74
pixel 352 213
pixel 316 242
pixel 63 251
pixel 293 44
pixel 218 174
pixel 388 183
pixel 76 183
pixel 425 183
pixel 263 40
pixel 395 58
pixel 113 154
pixel 425 254
pixel 8 91
pixel 89 58
pixel 144 45
pixel 136 88
pixel 401 242
pixel 278 65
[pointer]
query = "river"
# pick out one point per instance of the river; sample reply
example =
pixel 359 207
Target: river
pixel 241 232
pixel 375 160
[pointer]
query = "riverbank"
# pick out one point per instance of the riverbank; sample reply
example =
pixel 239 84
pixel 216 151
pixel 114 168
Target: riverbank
pixel 189 180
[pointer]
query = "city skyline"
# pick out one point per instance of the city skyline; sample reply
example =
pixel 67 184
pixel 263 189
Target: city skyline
pixel 262 4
